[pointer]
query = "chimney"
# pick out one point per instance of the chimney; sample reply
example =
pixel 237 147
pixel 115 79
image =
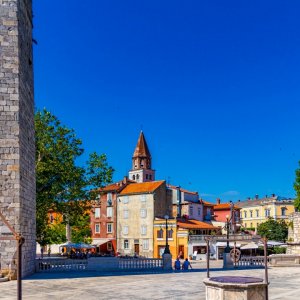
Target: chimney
pixel 125 179
pixel 249 198
pixel 239 200
pixel 218 200
pixel 256 196
pixel 273 195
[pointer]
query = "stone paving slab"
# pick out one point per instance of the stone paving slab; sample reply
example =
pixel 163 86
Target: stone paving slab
pixel 284 284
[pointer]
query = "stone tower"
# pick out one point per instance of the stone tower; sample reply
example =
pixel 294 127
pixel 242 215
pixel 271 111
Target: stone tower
pixel 141 162
pixel 17 147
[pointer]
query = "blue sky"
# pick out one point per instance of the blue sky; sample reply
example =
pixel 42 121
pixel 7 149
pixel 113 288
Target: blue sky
pixel 213 84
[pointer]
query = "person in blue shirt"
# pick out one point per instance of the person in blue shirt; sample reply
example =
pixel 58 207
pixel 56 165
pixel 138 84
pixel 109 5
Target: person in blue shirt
pixel 177 264
pixel 186 265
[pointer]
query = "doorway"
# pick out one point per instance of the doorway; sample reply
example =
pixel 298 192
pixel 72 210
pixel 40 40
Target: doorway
pixel 181 251
pixel 136 249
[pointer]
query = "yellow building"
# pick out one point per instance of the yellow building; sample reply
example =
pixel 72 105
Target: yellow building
pixel 159 237
pixel 178 236
pixel 256 211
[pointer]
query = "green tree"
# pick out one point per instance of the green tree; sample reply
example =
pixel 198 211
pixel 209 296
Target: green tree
pixel 61 184
pixel 297 189
pixel 273 230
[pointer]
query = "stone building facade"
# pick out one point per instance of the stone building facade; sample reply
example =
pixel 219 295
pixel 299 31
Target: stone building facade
pixel 17 148
pixel 294 234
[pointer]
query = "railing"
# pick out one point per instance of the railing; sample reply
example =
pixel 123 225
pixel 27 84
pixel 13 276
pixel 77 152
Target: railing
pixel 251 261
pixel 140 263
pixel 232 237
pixel 56 265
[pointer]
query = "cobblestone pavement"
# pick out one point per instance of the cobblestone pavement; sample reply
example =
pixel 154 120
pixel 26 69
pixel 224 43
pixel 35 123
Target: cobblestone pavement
pixel 284 284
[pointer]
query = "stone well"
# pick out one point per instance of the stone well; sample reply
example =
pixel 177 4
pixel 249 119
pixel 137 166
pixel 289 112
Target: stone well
pixel 235 288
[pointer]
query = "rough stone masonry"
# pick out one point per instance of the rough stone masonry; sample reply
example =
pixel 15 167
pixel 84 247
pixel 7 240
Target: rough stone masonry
pixel 17 148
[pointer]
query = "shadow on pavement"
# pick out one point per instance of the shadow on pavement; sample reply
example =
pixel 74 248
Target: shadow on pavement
pixel 85 274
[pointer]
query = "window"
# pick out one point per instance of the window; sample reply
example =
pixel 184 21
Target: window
pixel 160 234
pixel 170 234
pixel 245 225
pixel 143 213
pixel 146 176
pixel 137 177
pixel 109 227
pixel 97 212
pixel 143 198
pixel 133 177
pixel 251 225
pixel 283 211
pixel 251 214
pixel 126 199
pixel 199 211
pixel 191 210
pixel 257 213
pixel 143 229
pixel 150 177
pixel 109 212
pixel 109 197
pixel 125 214
pixel 245 214
pixel 97 228
pixel 267 212
pixel 145 244
pixel 109 246
pixel 125 229
pixel 126 244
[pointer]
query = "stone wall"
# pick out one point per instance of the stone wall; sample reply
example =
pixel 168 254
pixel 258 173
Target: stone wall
pixel 294 235
pixel 17 149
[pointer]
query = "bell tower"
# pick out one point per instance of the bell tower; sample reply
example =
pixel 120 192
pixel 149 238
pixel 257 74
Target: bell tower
pixel 141 162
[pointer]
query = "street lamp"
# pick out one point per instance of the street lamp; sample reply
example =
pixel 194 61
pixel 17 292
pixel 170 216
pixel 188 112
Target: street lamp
pixel 167 249
pixel 227 249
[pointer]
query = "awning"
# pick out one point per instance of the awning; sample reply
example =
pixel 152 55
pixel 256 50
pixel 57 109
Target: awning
pixel 224 244
pixel 99 242
pixel 249 246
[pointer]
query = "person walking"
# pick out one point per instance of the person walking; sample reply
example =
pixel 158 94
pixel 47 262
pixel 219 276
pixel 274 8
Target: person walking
pixel 177 264
pixel 186 264
pixel 49 251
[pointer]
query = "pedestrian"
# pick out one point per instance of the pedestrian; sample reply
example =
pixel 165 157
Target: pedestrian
pixel 186 265
pixel 49 251
pixel 42 252
pixel 177 264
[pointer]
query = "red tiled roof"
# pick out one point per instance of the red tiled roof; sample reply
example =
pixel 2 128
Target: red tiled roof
pixel 223 206
pixel 141 149
pixel 207 203
pixel 182 190
pixel 144 187
pixel 194 224
pixel 116 185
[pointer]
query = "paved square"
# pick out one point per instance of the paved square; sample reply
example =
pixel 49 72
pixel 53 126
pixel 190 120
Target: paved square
pixel 285 284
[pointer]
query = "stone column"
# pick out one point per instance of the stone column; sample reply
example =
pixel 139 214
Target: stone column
pixel 17 147
pixel 167 261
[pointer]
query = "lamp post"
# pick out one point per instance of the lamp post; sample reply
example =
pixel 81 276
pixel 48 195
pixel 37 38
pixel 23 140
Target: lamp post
pixel 167 249
pixel 227 249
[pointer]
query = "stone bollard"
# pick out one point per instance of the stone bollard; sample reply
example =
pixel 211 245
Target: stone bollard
pixel 235 287
pixel 167 261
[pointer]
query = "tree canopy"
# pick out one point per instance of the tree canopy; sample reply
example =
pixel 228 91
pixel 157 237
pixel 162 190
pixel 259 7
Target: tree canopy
pixel 297 189
pixel 273 230
pixel 61 184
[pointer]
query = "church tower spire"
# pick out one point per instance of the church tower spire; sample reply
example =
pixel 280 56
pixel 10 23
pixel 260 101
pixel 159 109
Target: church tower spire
pixel 141 162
